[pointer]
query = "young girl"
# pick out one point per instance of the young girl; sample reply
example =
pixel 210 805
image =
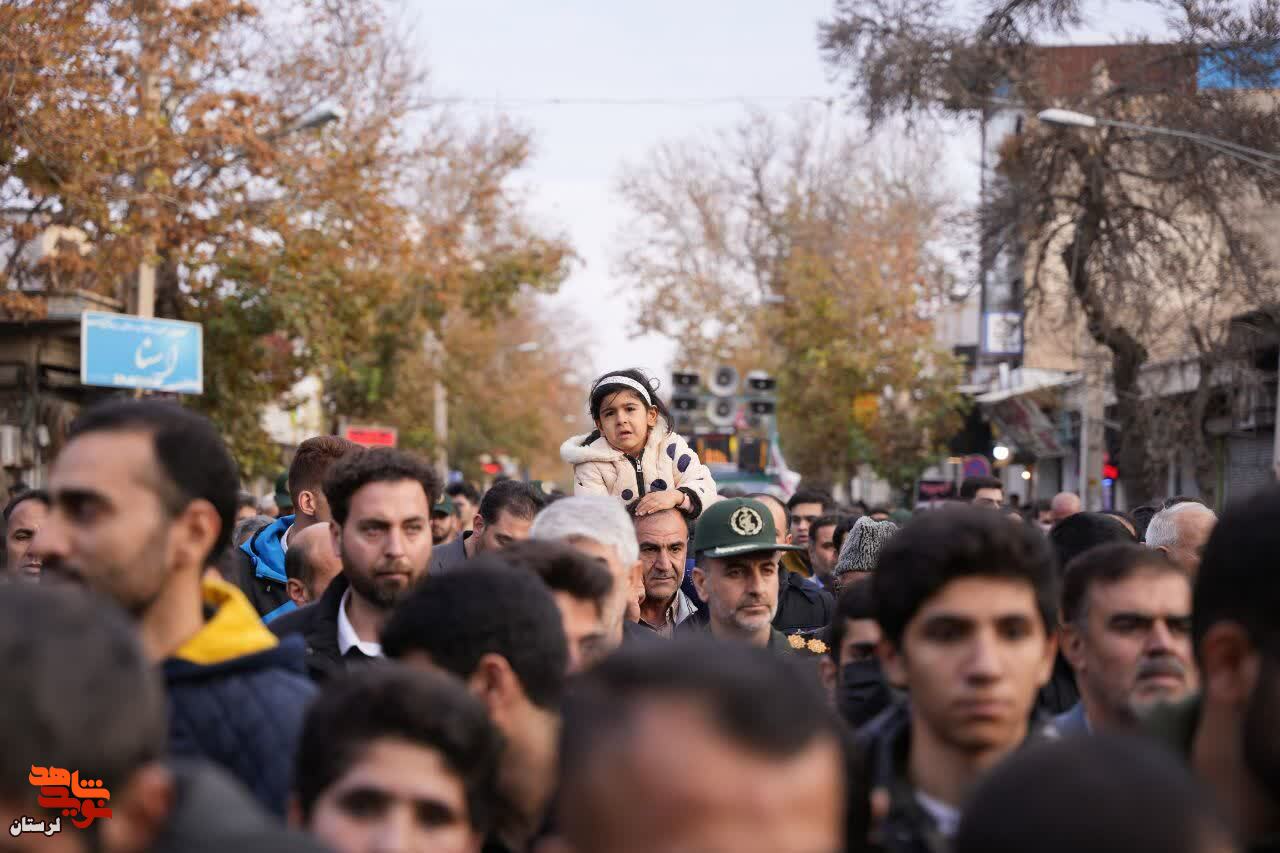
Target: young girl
pixel 633 453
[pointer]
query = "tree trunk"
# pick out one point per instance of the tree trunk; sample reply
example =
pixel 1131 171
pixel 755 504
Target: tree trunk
pixel 1127 353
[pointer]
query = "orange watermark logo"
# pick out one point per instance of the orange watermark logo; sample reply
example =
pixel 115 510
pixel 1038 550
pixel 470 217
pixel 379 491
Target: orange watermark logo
pixel 81 800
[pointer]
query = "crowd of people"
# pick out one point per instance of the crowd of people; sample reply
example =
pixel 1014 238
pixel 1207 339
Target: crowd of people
pixel 651 664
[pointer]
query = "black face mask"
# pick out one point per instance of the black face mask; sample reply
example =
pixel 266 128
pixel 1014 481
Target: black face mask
pixel 862 693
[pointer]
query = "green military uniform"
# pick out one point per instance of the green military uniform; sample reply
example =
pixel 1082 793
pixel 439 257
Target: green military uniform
pixel 729 528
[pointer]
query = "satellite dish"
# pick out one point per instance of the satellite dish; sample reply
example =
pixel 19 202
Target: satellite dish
pixel 722 412
pixel 724 381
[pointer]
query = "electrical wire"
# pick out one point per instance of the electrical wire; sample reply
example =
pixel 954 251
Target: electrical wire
pixel 708 100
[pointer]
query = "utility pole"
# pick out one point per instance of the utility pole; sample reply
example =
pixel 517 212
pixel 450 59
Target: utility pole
pixel 143 298
pixel 433 350
pixel 1092 424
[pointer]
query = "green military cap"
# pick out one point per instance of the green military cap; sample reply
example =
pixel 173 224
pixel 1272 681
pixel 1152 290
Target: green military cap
pixel 444 506
pixel 737 526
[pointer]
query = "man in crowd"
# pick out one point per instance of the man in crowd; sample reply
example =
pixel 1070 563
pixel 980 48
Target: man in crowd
pixel 736 574
pixel 1063 505
pixel 801 606
pixel 599 527
pixel 695 746
pixel 1181 532
pixel 381 502
pixel 246 506
pixel 850 668
pixel 1070 538
pixel 504 516
pixel 822 550
pixel 262 576
pixel 444 522
pixel 805 507
pixel 966 602
pixel 466 498
pixel 144 497
pixel 397 759
pixel 583 590
pixel 23 515
pixel 986 492
pixel 498 629
pixel 1126 631
pixel 663 538
pixel 1228 732
pixel 81 696
pixel 311 564
pixel 1044 514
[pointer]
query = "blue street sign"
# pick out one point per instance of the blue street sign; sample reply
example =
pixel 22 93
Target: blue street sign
pixel 123 351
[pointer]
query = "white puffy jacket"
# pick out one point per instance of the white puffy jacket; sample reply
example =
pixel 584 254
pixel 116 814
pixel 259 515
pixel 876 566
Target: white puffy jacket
pixel 668 462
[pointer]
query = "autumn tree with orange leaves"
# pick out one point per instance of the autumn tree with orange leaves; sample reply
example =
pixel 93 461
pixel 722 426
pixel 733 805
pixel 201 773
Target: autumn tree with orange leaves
pixel 784 245
pixel 168 132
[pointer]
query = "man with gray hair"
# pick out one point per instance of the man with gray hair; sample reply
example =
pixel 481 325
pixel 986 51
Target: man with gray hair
pixel 1064 505
pixel 599 527
pixel 1181 532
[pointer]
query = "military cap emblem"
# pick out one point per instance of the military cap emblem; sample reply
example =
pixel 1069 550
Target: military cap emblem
pixel 746 521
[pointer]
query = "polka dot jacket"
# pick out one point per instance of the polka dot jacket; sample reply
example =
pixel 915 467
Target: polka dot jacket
pixel 668 462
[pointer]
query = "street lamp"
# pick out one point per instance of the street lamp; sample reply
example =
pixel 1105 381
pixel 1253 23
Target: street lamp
pixel 1254 157
pixel 325 113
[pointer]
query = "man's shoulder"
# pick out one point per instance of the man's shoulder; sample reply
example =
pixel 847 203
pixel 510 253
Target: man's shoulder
pixel 448 556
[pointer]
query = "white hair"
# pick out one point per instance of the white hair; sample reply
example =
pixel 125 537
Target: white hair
pixel 595 517
pixel 1162 532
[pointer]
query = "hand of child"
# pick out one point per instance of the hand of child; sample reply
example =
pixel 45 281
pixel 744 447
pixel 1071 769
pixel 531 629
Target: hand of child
pixel 659 501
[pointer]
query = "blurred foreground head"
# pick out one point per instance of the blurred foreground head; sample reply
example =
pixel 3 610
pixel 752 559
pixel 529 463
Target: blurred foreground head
pixel 698 745
pixel 1139 797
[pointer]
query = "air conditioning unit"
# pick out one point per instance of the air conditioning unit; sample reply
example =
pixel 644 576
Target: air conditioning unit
pixel 10 446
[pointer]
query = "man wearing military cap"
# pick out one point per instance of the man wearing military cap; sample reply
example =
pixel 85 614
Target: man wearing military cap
pixel 445 523
pixel 736 573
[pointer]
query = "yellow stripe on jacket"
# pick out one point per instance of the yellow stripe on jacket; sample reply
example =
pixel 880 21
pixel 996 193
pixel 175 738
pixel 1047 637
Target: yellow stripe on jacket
pixel 234 631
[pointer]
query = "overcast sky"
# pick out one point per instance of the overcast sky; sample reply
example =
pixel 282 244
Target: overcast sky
pixel 512 56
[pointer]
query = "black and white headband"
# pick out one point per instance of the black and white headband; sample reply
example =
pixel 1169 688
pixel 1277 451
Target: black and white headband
pixel 630 383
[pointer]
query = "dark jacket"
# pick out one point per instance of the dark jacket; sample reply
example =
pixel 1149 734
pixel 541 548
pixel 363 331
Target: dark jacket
pixel 317 624
pixel 212 814
pixel 881 750
pixel 237 696
pixel 1060 694
pixel 801 607
pixel 259 570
